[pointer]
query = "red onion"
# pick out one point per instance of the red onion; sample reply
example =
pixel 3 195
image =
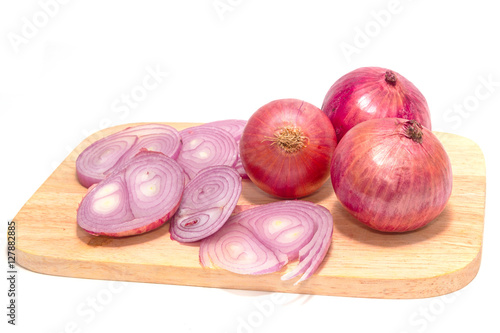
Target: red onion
pixel 236 249
pixel 392 174
pixel 286 148
pixel 208 201
pixel 204 146
pixel 263 239
pixel 235 128
pixel 137 198
pixel 238 166
pixel 113 151
pixel 373 92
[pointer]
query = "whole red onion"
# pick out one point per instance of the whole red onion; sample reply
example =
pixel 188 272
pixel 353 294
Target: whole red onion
pixel 392 174
pixel 286 148
pixel 373 92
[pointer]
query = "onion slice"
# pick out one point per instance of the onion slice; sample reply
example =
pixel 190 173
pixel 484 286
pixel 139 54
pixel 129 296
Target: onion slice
pixel 275 234
pixel 235 127
pixel 236 249
pixel 208 201
pixel 137 198
pixel 113 151
pixel 204 146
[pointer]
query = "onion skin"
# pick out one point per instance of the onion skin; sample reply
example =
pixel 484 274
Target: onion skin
pixel 373 92
pixel 389 181
pixel 288 174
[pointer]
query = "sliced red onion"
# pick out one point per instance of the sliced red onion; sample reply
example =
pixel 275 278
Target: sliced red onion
pixel 235 128
pixel 275 232
pixel 137 198
pixel 204 146
pixel 113 151
pixel 236 249
pixel 208 201
pixel 238 166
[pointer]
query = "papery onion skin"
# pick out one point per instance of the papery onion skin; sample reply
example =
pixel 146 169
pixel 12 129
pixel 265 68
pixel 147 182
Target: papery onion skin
pixel 388 180
pixel 288 169
pixel 373 92
pixel 114 150
pixel 132 189
pixel 207 202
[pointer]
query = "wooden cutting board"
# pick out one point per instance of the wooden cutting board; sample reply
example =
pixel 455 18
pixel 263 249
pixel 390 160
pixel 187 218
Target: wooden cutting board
pixel 440 258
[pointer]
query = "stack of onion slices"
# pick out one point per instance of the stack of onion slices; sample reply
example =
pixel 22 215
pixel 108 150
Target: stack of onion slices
pixel 286 148
pixel 263 239
pixel 113 151
pixel 139 197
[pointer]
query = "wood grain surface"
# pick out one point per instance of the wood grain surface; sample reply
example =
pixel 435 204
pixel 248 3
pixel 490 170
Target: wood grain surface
pixel 438 259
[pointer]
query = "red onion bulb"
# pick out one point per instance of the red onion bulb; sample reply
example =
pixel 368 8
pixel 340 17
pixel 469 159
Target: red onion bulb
pixel 373 92
pixel 286 148
pixel 235 128
pixel 392 174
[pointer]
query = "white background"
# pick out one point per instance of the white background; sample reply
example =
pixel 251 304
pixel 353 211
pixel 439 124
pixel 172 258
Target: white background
pixel 65 74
